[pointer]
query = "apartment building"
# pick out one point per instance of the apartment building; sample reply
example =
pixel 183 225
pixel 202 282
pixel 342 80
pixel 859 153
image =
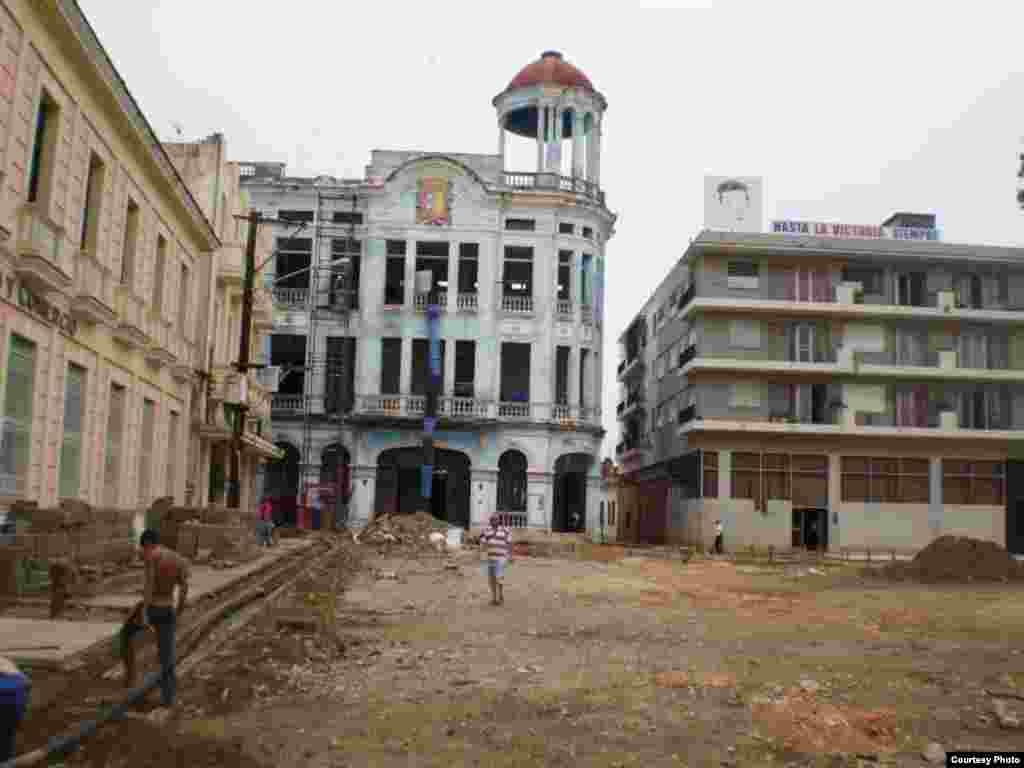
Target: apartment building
pixel 828 386
pixel 216 186
pixel 517 260
pixel 101 245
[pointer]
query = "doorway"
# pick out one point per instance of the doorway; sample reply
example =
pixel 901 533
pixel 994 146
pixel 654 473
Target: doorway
pixel 569 510
pixel 810 529
pixel 1015 507
pixel 400 484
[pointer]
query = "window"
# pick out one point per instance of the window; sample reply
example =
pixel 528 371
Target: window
pixel 288 350
pixel 803 479
pixel 588 232
pixel 809 285
pixel 564 275
pixel 743 274
pixel 521 225
pixel 910 346
pixel 465 368
pixel 115 442
pixel 184 289
pixel 910 289
pixel 469 256
pixel 911 405
pixel 391 366
pixel 16 439
pixel 584 378
pixel 44 149
pixel 806 343
pixel 70 479
pixel 158 274
pixel 745 334
pixel 809 403
pixel 146 450
pixel 973 482
pixel 394 276
pixel 745 394
pixel 433 257
pixel 871 280
pixel 562 376
pixel 340 374
pixel 346 258
pixel 984 408
pixel 173 426
pixel 515 373
pixel 421 366
pixel 295 217
pixel 885 480
pixel 518 271
pixel 347 217
pixel 131 242
pixel 247 170
pixel 566 228
pixel 93 201
pixel 586 279
pixel 294 257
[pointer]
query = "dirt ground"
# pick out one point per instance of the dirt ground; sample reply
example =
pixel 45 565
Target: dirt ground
pixel 622 663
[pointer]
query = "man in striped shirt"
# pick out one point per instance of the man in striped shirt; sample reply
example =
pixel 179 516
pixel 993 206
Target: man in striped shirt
pixel 497 544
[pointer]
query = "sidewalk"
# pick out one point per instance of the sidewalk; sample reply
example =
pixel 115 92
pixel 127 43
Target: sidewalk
pixel 75 637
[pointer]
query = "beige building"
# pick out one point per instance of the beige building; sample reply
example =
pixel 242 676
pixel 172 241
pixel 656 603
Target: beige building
pixel 215 184
pixel 102 256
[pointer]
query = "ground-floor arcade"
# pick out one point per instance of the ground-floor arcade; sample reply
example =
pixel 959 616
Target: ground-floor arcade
pixel 535 479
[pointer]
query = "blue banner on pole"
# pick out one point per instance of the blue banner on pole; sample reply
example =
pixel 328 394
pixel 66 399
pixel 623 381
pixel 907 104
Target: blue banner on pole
pixel 429 424
pixel 427 475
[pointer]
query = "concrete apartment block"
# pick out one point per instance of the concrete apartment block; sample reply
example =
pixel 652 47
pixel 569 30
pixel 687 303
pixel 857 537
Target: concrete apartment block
pixel 827 392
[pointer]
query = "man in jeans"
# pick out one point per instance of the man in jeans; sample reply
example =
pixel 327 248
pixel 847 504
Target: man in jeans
pixel 165 570
pixel 497 544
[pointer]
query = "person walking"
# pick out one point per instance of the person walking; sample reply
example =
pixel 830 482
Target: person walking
pixel 165 570
pixel 266 523
pixel 14 691
pixel 718 537
pixel 496 542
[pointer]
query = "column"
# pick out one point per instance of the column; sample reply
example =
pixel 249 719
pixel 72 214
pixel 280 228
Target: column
pixel 501 139
pixel 574 377
pixel 554 158
pixel 935 501
pixel 540 137
pixel 577 143
pixel 483 496
pixel 449 368
pixel 410 273
pixel 835 495
pixel 453 278
pixel 596 175
pixel 364 488
pixel 405 376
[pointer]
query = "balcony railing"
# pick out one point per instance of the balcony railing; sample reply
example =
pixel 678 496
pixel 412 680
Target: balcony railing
pixel 422 300
pixel 463 408
pixel 466 302
pixel 563 308
pixel 586 314
pixel 687 355
pixel 554 181
pixel 516 411
pixel 561 412
pixel 287 404
pixel 521 305
pixel 94 289
pixel 40 237
pixel 291 298
pixel 512 519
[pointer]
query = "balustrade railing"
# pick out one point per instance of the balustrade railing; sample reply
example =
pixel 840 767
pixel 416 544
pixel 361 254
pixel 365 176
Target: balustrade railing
pixel 463 408
pixel 563 308
pixel 466 302
pixel 422 300
pixel 517 304
pixel 512 519
pixel 554 181
pixel 514 410
pixel 287 403
pixel 291 298
pixel 586 314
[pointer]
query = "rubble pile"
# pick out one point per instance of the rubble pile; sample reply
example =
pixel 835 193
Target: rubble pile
pixel 405 531
pixel 958 559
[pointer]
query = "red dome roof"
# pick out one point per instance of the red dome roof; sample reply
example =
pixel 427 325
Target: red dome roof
pixel 550 68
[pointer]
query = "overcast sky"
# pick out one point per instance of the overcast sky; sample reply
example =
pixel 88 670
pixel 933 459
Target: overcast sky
pixel 850 111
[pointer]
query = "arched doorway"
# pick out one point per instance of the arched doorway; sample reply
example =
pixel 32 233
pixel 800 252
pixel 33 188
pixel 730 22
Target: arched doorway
pixel 512 487
pixel 400 484
pixel 282 484
pixel 569 510
pixel 334 477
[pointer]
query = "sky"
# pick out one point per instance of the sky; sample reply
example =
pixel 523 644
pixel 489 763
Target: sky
pixel 849 111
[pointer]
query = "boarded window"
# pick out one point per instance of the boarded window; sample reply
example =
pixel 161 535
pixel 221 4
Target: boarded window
pixel 709 481
pixel 115 443
pixel 71 445
pixel 973 482
pixel 885 480
pixel 17 422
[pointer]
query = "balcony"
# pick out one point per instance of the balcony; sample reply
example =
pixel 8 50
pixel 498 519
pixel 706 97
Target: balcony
pixel 291 298
pixel 515 411
pixel 40 262
pixel 231 265
pixel 463 408
pixel 630 367
pixel 571 415
pixel 517 305
pixel 860 426
pixel 287 405
pixel 132 324
pixel 466 302
pixel 553 182
pixel 421 301
pixel 564 309
pixel 587 314
pixel 94 293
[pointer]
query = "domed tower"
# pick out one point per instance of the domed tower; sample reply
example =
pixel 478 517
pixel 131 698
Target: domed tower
pixel 550 100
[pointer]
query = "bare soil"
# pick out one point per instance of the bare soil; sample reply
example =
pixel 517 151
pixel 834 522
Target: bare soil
pixel 627 662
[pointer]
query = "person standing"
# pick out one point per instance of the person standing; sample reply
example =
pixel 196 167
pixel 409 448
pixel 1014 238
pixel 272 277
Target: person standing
pixel 718 537
pixel 496 541
pixel 266 523
pixel 14 690
pixel 165 570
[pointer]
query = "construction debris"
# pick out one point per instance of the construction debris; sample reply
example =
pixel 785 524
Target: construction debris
pixel 418 532
pixel 958 559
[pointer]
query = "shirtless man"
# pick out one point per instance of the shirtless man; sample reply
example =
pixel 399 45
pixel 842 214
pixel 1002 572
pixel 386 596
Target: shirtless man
pixel 165 570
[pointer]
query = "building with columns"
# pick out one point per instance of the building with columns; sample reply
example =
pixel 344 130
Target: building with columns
pixel 827 386
pixel 101 245
pixel 517 258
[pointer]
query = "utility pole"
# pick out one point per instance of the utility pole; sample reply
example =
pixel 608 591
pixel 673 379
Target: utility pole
pixel 248 278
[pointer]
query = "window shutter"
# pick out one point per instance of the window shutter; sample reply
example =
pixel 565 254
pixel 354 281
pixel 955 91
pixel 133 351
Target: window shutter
pixel 17 424
pixel 921 405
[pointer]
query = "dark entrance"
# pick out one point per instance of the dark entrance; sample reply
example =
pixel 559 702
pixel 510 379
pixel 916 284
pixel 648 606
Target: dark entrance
pixel 1015 507
pixel 282 485
pixel 399 484
pixel 810 529
pixel 569 511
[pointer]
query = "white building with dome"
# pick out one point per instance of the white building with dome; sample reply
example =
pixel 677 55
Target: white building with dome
pixel 517 256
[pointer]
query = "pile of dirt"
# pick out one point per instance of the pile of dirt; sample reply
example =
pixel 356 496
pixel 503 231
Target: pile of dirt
pixel 803 723
pixel 958 559
pixel 402 531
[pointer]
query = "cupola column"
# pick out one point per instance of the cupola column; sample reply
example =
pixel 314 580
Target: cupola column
pixel 597 148
pixel 540 136
pixel 501 140
pixel 577 143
